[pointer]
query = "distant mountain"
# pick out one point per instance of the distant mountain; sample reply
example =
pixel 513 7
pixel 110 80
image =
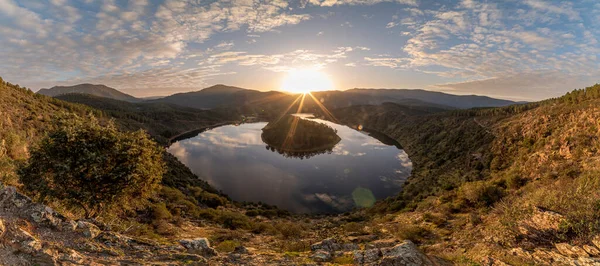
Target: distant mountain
pixel 434 97
pixel 91 89
pixel 227 96
pixel 216 96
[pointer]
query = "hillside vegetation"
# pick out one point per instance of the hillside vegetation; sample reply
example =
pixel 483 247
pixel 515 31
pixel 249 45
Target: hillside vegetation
pixel 89 89
pixel 488 181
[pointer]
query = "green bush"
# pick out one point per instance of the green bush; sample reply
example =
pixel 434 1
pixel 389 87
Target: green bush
pixel 227 246
pixel 289 230
pixel 480 193
pixel 233 220
pixel 93 167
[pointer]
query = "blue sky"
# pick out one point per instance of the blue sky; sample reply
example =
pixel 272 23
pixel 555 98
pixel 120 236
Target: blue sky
pixel 524 50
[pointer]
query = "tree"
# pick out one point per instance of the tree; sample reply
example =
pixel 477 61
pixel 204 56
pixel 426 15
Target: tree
pixel 94 167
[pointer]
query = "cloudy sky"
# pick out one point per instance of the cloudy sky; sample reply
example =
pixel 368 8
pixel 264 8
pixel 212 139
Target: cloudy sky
pixel 516 49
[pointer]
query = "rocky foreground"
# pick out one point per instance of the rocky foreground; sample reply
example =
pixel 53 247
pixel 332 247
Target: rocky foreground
pixel 34 234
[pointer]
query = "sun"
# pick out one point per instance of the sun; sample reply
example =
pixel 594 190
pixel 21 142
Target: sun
pixel 305 81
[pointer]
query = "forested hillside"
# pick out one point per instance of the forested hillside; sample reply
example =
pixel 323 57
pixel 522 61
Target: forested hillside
pixel 522 177
pixel 89 89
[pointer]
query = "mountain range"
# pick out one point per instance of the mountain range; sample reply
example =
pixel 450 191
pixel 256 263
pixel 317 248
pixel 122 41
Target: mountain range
pixel 91 89
pixel 225 96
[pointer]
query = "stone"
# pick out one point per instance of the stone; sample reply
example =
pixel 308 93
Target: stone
pixel 25 241
pixel 367 256
pixel 383 243
pixel 88 229
pixel 329 245
pixel 71 256
pixel 350 246
pixel 596 241
pixel 571 251
pixel 541 223
pixel 591 250
pixel 321 256
pixel 2 228
pixel 240 250
pixel 405 253
pixel 198 245
pixel 363 238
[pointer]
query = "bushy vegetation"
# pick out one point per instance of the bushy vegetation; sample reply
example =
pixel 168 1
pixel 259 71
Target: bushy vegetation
pixel 469 165
pixel 296 135
pixel 86 165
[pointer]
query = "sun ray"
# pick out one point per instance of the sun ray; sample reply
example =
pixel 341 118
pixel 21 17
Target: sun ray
pixel 288 108
pixel 323 108
pixel 292 131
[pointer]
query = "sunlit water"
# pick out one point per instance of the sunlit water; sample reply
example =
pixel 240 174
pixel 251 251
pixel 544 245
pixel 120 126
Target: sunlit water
pixel 234 159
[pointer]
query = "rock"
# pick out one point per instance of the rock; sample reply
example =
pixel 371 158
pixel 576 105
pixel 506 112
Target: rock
pixel 2 228
pixel 383 243
pixel 25 242
pixel 571 251
pixel 321 256
pixel 591 250
pixel 596 241
pixel 541 223
pixel 329 245
pixel 198 245
pixel 367 256
pixel 71 256
pixel 11 199
pixel 88 229
pixel 405 253
pixel 363 238
pixel 240 250
pixel 350 246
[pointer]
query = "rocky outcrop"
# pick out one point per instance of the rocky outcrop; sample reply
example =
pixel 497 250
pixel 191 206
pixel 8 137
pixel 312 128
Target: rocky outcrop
pixel 332 245
pixel 199 246
pixel 405 253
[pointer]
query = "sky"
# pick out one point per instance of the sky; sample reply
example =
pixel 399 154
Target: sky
pixel 513 49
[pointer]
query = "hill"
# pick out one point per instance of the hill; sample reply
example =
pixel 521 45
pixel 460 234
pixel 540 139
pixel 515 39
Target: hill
pixel 212 97
pixel 509 185
pixel 91 89
pixel 163 121
pixel 222 96
pixel 433 97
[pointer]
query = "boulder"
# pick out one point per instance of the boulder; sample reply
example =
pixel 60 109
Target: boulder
pixel 367 256
pixel 199 246
pixel 402 254
pixel 383 243
pixel 596 241
pixel 591 250
pixel 362 238
pixel 405 253
pixel 541 223
pixel 321 256
pixel 88 229
pixel 329 245
pixel 240 250
pixel 571 251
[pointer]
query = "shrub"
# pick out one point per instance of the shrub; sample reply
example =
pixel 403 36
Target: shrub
pixel 227 246
pixel 480 193
pixel 160 211
pixel 233 220
pixel 289 230
pixel 86 165
pixel 410 232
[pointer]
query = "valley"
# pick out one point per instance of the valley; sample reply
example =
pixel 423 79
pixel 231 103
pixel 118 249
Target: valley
pixel 508 184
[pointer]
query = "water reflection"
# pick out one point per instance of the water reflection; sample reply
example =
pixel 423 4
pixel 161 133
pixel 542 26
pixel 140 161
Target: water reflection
pixel 355 172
